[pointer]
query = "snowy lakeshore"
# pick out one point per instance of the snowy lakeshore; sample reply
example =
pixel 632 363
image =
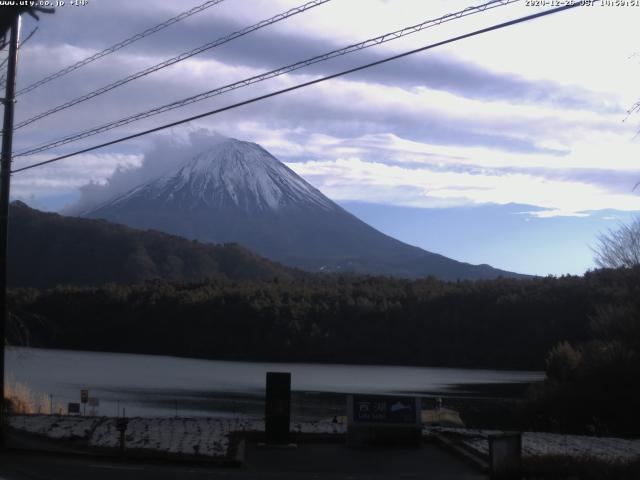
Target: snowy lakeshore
pixel 542 444
pixel 209 438
pixel 201 437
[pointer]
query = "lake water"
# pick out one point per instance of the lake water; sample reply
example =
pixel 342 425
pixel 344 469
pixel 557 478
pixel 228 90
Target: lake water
pixel 150 385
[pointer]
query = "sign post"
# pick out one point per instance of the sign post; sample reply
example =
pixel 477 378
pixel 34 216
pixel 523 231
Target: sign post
pixel 383 420
pixel 94 403
pixel 121 426
pixel 84 398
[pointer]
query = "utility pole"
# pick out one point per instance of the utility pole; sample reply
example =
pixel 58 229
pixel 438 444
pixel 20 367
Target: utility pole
pixel 5 183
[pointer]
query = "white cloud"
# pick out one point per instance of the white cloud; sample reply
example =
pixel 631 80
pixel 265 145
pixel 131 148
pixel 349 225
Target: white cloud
pixel 356 179
pixel 67 177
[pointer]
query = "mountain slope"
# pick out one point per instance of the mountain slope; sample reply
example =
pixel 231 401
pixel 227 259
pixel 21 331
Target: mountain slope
pixel 46 249
pixel 237 192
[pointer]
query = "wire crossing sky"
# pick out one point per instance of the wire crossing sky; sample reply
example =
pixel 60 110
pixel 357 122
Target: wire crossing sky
pixel 119 45
pixel 172 61
pixel 303 85
pixel 271 74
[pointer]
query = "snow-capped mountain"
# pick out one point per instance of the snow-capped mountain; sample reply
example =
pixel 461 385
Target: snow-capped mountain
pixel 236 191
pixel 232 174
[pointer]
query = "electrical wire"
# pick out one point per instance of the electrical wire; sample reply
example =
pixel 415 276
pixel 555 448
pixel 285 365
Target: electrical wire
pixel 174 60
pixel 28 37
pixel 20 46
pixel 302 85
pixel 268 75
pixel 119 45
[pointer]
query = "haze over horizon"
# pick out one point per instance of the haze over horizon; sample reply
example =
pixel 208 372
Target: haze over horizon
pixel 508 149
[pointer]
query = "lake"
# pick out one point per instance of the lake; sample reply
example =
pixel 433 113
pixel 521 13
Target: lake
pixel 152 385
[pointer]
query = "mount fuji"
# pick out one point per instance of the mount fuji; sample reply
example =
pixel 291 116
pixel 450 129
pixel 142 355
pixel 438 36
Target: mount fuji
pixel 236 191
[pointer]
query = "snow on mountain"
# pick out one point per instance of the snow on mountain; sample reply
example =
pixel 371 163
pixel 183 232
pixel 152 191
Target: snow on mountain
pixel 232 172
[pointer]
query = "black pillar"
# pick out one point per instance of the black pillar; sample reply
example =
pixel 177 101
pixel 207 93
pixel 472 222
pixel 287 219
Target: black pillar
pixel 278 407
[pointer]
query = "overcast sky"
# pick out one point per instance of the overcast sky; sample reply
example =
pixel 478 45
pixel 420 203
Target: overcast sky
pixel 510 148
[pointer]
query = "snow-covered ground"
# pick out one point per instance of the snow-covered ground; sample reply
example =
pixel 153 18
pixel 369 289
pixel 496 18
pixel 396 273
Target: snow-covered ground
pixel 210 437
pixel 55 426
pixel 188 436
pixel 193 436
pixel 538 444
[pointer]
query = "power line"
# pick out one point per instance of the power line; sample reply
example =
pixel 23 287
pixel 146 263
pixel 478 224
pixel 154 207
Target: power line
pixel 2 83
pixel 174 60
pixel 268 75
pixel 118 46
pixel 28 37
pixel 302 85
pixel 19 46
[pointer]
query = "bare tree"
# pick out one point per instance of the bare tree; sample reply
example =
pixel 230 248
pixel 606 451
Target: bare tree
pixel 620 247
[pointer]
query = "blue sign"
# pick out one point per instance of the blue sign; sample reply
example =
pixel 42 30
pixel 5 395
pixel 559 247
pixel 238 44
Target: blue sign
pixel 385 409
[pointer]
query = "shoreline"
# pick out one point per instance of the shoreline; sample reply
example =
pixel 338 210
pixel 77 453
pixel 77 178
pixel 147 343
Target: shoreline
pixel 463 366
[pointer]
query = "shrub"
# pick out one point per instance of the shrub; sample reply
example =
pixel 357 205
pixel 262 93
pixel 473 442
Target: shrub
pixel 562 362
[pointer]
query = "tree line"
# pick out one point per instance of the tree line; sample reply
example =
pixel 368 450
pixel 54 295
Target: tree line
pixel 502 323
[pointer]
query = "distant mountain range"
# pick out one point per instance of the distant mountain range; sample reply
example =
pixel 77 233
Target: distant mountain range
pixel 236 191
pixel 46 249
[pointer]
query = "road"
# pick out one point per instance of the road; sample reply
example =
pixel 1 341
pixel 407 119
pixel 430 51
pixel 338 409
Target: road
pixel 326 461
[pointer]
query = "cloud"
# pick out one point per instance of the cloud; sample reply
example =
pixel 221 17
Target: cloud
pixel 278 45
pixel 167 152
pixel 556 213
pixel 462 127
pixel 356 179
pixel 343 108
pixel 67 177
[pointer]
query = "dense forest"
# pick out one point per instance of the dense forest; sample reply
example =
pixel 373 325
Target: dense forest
pixel 592 386
pixel 47 249
pixel 503 323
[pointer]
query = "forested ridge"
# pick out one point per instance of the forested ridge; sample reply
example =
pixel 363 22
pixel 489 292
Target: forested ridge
pixel 503 323
pixel 47 249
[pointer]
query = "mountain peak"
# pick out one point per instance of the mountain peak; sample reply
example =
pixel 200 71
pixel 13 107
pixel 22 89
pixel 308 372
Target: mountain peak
pixel 233 173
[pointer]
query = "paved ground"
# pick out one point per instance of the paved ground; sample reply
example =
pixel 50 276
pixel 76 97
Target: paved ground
pixel 428 461
pixel 326 461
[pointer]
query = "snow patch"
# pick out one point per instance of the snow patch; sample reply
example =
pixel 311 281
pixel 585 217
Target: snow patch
pixel 188 436
pixel 209 436
pixel 540 444
pixel 55 426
